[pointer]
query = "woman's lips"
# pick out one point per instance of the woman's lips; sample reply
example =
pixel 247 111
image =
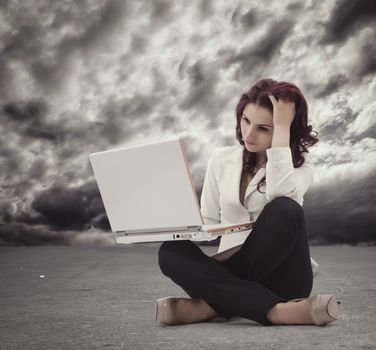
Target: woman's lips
pixel 250 143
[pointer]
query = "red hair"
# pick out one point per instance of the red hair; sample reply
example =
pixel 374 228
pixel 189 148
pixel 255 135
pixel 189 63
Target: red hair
pixel 300 133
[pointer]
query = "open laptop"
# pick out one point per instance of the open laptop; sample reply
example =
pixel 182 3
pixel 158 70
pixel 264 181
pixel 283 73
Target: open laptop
pixel 148 194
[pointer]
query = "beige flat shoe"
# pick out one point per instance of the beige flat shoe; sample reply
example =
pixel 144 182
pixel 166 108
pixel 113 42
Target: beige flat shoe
pixel 173 311
pixel 323 308
pixel 164 311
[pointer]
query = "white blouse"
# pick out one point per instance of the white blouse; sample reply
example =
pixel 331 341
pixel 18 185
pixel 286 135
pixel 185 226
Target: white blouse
pixel 220 193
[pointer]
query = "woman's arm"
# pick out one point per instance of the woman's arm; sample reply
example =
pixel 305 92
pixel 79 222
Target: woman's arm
pixel 281 136
pixel 282 179
pixel 210 196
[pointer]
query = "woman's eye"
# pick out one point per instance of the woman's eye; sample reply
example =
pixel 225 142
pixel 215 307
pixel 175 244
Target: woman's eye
pixel 261 128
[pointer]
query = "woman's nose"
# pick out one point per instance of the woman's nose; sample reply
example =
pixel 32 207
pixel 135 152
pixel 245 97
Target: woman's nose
pixel 249 132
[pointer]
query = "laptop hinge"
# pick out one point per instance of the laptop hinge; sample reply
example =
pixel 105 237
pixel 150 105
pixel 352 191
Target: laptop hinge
pixel 160 230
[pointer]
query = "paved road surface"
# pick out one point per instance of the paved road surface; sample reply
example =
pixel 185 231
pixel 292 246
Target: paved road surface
pixel 76 297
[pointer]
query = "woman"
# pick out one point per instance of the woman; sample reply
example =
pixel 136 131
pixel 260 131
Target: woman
pixel 264 275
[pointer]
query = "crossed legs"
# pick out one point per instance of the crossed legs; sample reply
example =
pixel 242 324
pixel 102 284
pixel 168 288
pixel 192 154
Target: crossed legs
pixel 272 266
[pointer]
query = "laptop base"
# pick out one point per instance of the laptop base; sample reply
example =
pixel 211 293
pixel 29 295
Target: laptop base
pixel 192 235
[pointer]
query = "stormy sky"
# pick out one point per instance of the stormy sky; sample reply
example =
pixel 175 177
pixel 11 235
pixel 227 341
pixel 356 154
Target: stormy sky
pixel 83 76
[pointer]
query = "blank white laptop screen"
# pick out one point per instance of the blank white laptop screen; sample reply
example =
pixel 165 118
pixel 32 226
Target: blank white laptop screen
pixel 147 187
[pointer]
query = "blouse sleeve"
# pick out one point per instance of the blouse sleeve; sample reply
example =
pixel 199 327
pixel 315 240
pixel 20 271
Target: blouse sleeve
pixel 282 179
pixel 210 208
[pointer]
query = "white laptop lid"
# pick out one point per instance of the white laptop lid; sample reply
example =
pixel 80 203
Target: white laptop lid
pixel 147 187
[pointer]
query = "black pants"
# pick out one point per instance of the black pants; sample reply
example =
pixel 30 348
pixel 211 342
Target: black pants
pixel 272 266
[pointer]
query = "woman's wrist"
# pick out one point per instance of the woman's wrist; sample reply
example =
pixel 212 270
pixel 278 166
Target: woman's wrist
pixel 281 136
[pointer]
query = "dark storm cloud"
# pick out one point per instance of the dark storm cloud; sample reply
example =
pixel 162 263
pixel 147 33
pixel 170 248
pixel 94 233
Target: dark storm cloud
pixel 273 40
pixel 117 120
pixel 201 97
pixel 31 111
pixel 96 36
pixel 193 153
pixel 160 80
pixel 28 42
pixel 67 208
pixel 168 122
pixel 6 78
pixel 196 74
pixel 204 9
pixel 20 234
pixel 29 119
pixel 161 13
pixel 112 126
pixel 293 6
pixel 348 17
pixel 50 75
pixel 249 19
pixel 38 169
pixel 367 62
pixel 182 68
pixel 6 212
pixel 334 84
pixel 24 44
pixel 10 159
pixel 235 15
pixel 335 126
pixel 343 211
pixel 139 105
pixel 61 207
pixel 332 131
pixel 124 117
pixel 261 52
pixel 68 134
pixel 99 31
pixel 139 43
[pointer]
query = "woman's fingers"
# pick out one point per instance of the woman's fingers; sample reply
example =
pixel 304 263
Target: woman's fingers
pixel 283 111
pixel 272 99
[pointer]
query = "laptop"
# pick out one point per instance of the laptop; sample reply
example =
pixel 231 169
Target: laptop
pixel 149 196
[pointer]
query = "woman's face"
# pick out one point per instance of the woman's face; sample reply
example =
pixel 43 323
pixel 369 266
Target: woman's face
pixel 256 127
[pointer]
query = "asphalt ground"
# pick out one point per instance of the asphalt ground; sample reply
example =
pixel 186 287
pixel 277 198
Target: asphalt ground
pixel 102 297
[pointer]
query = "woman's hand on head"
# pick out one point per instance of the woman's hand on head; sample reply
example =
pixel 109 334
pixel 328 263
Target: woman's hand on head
pixel 283 112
